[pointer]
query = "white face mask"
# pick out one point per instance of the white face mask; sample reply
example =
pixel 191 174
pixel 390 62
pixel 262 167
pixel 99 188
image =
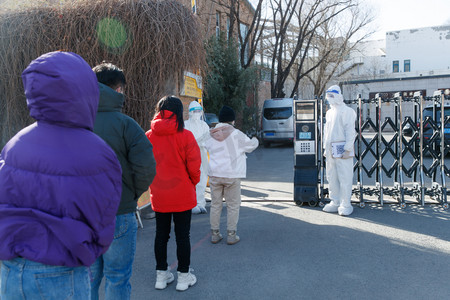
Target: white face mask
pixel 334 99
pixel 195 115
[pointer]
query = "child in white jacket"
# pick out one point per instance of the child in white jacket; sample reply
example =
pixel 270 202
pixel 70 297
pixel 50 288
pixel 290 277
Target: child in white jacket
pixel 227 165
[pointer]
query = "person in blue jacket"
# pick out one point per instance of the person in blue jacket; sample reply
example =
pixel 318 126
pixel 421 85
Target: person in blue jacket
pixel 60 185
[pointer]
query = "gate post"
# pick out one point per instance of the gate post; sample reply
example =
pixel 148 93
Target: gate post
pixel 400 150
pixel 442 133
pixel 360 168
pixel 379 151
pixel 321 157
pixel 422 179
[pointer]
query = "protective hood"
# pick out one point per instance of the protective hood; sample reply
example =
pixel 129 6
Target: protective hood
pixel 194 124
pixel 334 95
pixel 60 87
pixel 195 111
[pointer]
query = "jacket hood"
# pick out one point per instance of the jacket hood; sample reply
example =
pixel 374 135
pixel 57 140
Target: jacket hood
pixel 110 100
pixel 221 131
pixel 60 87
pixel 166 125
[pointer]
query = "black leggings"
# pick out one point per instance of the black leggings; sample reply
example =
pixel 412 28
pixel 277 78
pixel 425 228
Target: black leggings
pixel 182 221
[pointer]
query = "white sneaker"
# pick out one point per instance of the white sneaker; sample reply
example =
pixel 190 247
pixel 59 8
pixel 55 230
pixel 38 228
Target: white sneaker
pixel 185 280
pixel 163 278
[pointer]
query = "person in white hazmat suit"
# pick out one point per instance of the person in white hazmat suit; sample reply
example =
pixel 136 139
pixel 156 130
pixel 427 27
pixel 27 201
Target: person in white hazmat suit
pixel 339 133
pixel 201 133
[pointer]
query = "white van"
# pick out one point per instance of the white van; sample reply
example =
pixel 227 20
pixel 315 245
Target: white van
pixel 277 121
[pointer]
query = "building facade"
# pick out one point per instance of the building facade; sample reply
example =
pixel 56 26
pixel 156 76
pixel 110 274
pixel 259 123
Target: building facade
pixel 410 60
pixel 214 17
pixel 407 61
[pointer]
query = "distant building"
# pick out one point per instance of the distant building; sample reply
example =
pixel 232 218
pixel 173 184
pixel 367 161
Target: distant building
pixel 410 60
pixel 407 61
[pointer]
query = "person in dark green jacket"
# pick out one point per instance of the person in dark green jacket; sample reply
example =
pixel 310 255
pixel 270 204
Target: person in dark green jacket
pixel 135 154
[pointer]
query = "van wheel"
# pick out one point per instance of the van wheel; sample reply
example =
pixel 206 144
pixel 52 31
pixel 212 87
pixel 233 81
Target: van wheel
pixel 266 144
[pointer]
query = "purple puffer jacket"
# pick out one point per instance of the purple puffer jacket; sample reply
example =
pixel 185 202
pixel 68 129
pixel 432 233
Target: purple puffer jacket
pixel 60 184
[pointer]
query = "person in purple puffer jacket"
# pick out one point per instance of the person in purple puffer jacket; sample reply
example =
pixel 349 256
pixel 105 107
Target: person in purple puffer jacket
pixel 60 185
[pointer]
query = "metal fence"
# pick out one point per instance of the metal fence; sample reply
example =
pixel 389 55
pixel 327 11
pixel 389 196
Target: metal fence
pixel 400 159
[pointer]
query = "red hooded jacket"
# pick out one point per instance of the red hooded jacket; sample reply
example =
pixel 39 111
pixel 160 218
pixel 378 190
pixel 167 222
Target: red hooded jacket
pixel 178 162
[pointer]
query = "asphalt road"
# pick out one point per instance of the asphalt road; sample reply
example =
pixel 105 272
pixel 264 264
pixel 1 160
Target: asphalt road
pixel 292 252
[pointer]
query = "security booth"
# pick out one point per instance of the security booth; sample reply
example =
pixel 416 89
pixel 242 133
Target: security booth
pixel 305 152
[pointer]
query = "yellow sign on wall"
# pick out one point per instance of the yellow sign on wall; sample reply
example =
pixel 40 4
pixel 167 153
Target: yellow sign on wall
pixel 192 86
pixel 194 6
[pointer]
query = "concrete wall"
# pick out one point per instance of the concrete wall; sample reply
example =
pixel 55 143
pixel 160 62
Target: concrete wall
pixel 426 48
pixel 365 87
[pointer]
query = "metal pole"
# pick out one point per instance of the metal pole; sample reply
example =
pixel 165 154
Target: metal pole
pixel 400 150
pixel 421 174
pixel 442 133
pixel 415 142
pixel 433 145
pixel 398 130
pixel 322 156
pixel 360 177
pixel 380 163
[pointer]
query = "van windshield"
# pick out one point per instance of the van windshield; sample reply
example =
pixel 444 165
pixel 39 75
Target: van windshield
pixel 277 113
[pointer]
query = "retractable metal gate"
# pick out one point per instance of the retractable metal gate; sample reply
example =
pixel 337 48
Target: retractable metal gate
pixel 390 165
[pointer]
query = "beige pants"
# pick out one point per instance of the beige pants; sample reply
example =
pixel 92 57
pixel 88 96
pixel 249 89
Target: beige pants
pixel 230 189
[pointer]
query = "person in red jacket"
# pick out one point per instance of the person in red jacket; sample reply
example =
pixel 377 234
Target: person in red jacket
pixel 172 191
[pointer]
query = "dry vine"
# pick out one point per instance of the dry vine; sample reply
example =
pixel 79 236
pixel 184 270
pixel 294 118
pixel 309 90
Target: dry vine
pixel 153 41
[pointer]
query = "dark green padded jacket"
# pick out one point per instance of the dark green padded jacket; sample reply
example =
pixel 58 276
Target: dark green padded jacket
pixel 132 147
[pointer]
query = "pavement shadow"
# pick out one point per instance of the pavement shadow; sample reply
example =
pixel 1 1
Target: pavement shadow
pixel 271 164
pixel 253 194
pixel 430 220
pixel 291 252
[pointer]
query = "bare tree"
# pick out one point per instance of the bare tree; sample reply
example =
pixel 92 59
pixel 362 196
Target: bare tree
pixel 302 38
pixel 333 44
pixel 254 23
pixel 306 29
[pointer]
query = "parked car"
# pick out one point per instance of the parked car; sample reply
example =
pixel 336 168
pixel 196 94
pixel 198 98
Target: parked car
pixel 277 121
pixel 428 130
pixel 407 130
pixel 211 119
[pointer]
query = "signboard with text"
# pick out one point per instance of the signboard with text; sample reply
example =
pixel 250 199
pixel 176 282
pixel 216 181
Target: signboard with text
pixel 192 86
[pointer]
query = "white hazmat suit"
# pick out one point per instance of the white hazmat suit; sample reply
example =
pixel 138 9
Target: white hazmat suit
pixel 339 130
pixel 201 133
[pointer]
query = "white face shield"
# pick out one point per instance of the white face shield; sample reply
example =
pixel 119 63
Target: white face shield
pixel 334 96
pixel 195 111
